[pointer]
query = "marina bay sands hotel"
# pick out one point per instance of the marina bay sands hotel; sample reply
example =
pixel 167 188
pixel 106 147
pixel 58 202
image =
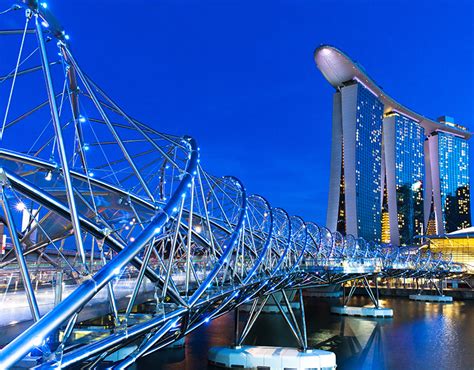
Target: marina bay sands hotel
pixel 395 174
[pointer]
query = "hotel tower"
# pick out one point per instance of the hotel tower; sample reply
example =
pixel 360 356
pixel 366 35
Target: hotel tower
pixel 395 174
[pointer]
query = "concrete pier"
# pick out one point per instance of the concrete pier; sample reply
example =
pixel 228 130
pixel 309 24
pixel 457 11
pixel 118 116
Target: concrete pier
pixel 368 311
pixel 431 298
pixel 271 358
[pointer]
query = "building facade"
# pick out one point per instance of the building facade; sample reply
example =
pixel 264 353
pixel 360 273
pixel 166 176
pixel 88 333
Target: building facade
pixel 357 160
pixel 403 140
pixel 395 175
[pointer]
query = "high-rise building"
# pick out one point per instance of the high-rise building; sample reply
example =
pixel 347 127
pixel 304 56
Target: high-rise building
pixel 393 171
pixel 357 127
pixel 403 140
pixel 449 186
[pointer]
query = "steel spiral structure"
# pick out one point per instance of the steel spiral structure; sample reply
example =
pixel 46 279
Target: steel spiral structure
pixel 103 213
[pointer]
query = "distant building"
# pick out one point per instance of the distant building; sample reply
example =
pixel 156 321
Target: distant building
pixel 394 173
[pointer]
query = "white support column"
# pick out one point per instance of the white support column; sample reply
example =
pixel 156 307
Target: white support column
pixel 428 186
pixel 336 162
pixel 349 114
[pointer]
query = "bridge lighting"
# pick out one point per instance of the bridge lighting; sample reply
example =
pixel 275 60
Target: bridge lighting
pixel 66 37
pixel 86 147
pixel 207 319
pixel 44 5
pixel 82 119
pixel 37 341
pixel 91 174
pixel 45 24
pixel 132 239
pixel 265 214
pixel 157 230
pixel 198 229
pixel 127 227
pixel 20 206
pixel 49 176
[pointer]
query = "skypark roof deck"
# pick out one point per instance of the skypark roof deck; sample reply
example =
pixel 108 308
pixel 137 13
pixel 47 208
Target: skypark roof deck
pixel 339 69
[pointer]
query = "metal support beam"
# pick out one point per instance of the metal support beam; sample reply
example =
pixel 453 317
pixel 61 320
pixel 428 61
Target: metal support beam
pixel 30 294
pixel 61 147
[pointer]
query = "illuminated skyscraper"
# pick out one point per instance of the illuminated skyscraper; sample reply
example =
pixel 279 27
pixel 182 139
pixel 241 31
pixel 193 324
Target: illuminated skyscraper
pixel 390 166
pixel 403 140
pixel 357 127
pixel 449 186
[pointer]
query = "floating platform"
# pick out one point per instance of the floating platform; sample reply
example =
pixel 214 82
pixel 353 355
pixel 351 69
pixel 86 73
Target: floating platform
pixel 271 358
pixel 431 298
pixel 362 311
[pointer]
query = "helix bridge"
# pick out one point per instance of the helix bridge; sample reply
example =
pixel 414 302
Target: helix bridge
pixel 105 218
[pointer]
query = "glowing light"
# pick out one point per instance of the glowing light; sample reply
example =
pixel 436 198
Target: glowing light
pixel 157 230
pixel 45 24
pixel 37 341
pixel 44 5
pixel 132 239
pixel 49 176
pixel 207 319
pixel 66 37
pixel 86 147
pixel 91 174
pixel 20 206
pixel 198 229
pixel 82 119
pixel 416 186
pixel 265 214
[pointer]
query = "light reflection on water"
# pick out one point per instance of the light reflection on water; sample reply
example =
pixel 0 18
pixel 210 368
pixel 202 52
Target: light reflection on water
pixel 419 336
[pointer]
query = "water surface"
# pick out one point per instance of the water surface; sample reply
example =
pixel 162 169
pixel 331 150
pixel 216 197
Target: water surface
pixel 419 336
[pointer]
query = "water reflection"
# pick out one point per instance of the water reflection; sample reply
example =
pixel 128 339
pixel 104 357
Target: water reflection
pixel 419 336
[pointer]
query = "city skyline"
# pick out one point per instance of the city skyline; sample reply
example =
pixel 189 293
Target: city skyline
pixel 256 95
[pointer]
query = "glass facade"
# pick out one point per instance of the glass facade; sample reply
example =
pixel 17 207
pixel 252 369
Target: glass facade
pixel 368 163
pixel 453 156
pixel 409 172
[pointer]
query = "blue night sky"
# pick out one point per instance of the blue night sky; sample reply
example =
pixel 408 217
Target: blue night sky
pixel 239 76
